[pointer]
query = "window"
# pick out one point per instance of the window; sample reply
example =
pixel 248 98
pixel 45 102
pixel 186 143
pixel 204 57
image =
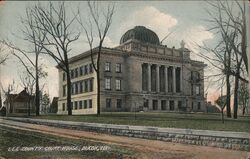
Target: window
pixel 90 103
pixel 72 88
pixel 76 72
pixel 91 84
pixel 119 103
pixel 197 90
pixel 63 106
pixel 155 104
pixel 81 86
pixel 108 103
pixel 76 104
pixel 90 68
pixel 118 84
pixel 80 104
pixel 195 76
pixel 179 104
pixel 199 105
pixel 76 87
pixel 192 89
pixel 64 76
pixel 71 105
pixel 107 66
pixel 86 69
pixel 81 70
pixel 86 86
pixel 118 68
pixel 108 83
pixel 145 103
pixel 72 73
pixel 163 105
pixel 171 105
pixel 85 104
pixel 64 90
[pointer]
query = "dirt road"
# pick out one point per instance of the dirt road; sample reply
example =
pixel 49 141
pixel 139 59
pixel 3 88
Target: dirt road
pixel 148 149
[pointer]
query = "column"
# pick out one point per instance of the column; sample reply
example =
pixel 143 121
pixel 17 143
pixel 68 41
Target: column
pixel 167 105
pixel 157 79
pixel 150 104
pixel 143 75
pixel 166 78
pixel 174 79
pixel 159 104
pixel 181 79
pixel 149 77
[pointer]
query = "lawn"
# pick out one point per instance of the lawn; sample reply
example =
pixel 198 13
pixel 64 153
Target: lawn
pixel 18 138
pixel 173 120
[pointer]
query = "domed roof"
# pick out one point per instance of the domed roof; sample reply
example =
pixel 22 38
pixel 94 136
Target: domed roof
pixel 142 34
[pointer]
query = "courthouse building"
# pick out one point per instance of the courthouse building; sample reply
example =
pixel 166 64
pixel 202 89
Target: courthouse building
pixel 139 74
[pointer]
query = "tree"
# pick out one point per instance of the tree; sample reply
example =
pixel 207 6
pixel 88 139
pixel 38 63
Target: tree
pixel 33 67
pixel 28 83
pixel 96 23
pixel 221 102
pixel 59 36
pixel 11 88
pixel 243 97
pixel 220 59
pixel 229 20
pixel 45 103
pixel 3 57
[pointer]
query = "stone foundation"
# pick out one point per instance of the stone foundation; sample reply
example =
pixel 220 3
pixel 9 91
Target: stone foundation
pixel 220 139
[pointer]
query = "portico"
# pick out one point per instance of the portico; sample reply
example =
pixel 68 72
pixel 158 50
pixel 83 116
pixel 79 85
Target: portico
pixel 161 78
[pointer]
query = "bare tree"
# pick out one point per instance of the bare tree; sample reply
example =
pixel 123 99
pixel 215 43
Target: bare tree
pixel 229 21
pixel 54 20
pixel 33 68
pixel 98 22
pixel 243 97
pixel 222 101
pixel 45 103
pixel 28 83
pixel 11 88
pixel 219 58
pixel 3 57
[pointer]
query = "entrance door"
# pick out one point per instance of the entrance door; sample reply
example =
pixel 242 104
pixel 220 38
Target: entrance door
pixel 155 105
pixel 163 105
pixel 171 105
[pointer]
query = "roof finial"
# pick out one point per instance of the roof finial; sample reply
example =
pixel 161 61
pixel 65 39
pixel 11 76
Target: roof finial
pixel 182 44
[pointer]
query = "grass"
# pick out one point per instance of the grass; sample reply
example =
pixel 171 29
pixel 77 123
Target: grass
pixel 172 120
pixel 13 138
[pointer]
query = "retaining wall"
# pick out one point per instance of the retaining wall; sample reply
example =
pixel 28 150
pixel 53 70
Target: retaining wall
pixel 221 139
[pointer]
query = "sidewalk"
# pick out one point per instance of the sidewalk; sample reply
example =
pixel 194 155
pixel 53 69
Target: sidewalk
pixel 147 148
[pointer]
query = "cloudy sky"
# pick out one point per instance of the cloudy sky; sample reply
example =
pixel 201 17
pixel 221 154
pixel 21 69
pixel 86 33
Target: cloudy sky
pixel 187 20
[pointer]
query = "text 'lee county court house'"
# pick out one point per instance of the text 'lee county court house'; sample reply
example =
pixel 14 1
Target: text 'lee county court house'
pixel 139 74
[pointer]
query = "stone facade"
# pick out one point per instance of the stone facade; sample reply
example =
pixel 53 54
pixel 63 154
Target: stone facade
pixel 138 76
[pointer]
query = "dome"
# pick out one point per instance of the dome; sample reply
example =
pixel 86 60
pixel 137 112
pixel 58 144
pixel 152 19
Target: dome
pixel 142 34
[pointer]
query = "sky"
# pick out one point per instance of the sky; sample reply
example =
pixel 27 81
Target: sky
pixel 186 19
